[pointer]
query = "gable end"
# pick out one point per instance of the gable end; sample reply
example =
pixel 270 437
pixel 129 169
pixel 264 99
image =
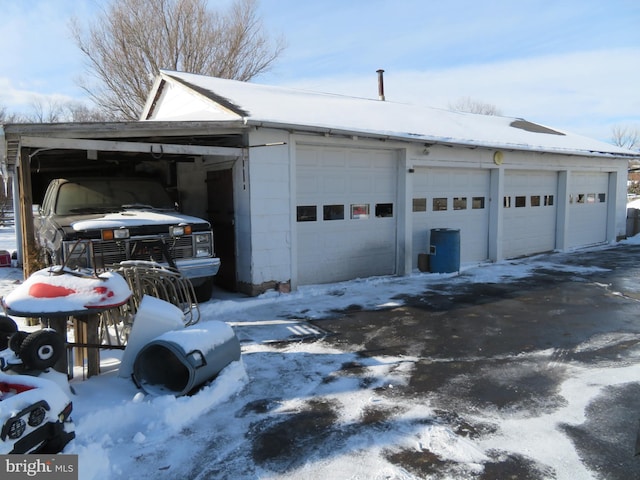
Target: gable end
pixel 224 102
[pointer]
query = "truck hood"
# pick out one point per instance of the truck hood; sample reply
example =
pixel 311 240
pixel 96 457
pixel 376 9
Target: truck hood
pixel 133 218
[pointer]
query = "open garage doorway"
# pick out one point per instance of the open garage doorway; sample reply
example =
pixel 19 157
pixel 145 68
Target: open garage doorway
pixel 221 215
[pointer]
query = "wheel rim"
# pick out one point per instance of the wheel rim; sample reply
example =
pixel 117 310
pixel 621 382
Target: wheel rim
pixel 45 352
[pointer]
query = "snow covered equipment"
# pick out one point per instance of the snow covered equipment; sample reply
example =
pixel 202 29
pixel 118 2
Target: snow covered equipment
pixel 35 415
pixel 153 318
pixel 59 291
pixel 38 350
pixel 180 361
pixel 23 351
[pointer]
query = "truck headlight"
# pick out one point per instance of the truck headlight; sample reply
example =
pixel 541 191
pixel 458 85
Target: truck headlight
pixel 203 244
pixel 116 234
pixel 180 230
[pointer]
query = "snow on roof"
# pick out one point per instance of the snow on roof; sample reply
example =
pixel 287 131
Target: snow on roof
pixel 277 106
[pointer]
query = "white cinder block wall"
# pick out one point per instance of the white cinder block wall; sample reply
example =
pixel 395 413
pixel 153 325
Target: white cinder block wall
pixel 270 203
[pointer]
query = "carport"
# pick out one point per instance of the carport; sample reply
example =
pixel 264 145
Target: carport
pixel 33 154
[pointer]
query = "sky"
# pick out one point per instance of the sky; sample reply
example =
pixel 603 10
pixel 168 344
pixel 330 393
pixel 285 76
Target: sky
pixel 569 64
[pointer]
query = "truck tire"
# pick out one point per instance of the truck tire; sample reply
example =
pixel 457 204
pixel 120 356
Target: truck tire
pixel 41 349
pixel 7 328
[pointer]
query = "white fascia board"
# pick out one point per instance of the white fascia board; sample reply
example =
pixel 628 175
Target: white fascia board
pixel 119 146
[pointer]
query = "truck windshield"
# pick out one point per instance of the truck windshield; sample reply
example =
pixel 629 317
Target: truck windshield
pixel 109 195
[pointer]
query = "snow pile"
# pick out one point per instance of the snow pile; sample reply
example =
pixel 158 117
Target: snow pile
pixel 122 433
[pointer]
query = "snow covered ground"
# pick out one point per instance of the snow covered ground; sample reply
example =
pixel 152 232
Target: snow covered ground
pixel 122 433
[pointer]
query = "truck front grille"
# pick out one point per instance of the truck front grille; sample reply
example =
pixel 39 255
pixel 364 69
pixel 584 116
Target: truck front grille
pixel 113 252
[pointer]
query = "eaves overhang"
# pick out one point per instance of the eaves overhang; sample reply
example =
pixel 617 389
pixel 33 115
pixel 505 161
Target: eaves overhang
pixel 433 140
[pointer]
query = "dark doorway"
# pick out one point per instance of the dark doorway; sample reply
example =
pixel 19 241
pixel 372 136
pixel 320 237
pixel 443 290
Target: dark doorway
pixel 221 214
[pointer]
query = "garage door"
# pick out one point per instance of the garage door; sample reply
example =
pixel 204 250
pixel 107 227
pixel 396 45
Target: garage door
pixel 588 198
pixel 452 198
pixel 529 212
pixel 346 213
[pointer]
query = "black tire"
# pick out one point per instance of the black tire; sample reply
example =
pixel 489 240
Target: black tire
pixel 41 349
pixel 204 291
pixel 15 341
pixel 7 328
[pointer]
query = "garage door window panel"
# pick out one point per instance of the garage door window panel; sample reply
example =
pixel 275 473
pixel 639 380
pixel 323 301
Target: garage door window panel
pixel 359 211
pixel 535 200
pixel 477 203
pixel 307 213
pixel 384 210
pixel 521 201
pixel 548 200
pixel 333 212
pixel 439 204
pixel 459 203
pixel 419 204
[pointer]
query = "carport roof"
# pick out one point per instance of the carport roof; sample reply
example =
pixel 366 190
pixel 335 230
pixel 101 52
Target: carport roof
pixel 216 99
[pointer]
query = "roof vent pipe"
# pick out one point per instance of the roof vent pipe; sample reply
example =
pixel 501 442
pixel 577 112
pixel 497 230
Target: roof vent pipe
pixel 380 84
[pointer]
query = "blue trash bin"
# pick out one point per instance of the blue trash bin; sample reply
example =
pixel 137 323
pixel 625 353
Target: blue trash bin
pixel 444 250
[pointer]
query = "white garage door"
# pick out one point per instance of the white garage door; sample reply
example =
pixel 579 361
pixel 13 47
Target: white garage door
pixel 346 213
pixel 529 212
pixel 588 198
pixel 452 198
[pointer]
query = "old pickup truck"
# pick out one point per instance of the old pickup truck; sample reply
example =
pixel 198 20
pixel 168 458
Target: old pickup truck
pixel 99 222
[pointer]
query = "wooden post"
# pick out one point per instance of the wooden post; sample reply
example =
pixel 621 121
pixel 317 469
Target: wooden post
pixel 93 354
pixel 25 211
pixel 86 333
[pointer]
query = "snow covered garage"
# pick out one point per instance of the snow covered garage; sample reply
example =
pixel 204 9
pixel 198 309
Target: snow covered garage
pixel 304 188
pixel 333 188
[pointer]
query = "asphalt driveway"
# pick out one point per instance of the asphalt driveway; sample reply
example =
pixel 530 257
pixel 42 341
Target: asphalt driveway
pixel 506 349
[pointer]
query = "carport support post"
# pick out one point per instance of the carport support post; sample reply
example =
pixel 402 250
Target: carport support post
pixel 26 214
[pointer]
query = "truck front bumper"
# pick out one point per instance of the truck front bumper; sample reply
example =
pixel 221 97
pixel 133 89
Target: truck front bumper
pixel 198 267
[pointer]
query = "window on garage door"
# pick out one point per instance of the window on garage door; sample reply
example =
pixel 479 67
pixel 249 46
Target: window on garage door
pixel 333 212
pixel 306 213
pixel 384 210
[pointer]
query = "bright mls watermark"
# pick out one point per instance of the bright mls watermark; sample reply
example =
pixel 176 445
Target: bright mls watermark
pixel 51 467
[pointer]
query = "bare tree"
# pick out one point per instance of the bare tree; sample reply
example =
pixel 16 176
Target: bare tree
pixel 626 136
pixel 8 117
pixel 133 39
pixel 45 111
pixel 468 104
pixel 79 112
